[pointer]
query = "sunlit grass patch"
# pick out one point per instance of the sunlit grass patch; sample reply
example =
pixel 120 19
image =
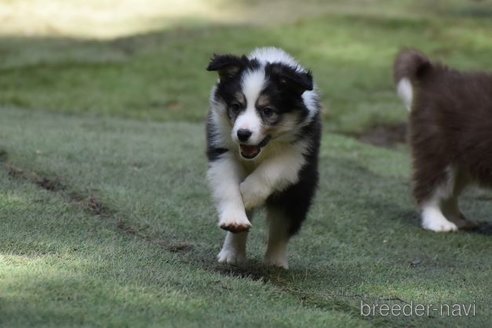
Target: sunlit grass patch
pixel 161 75
pixel 102 19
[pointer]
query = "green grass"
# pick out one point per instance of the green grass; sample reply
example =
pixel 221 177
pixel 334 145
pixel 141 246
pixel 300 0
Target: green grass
pixel 105 217
pixel 148 256
pixel 161 75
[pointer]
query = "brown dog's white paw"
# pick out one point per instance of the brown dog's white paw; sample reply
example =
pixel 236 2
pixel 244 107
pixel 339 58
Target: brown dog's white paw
pixel 439 225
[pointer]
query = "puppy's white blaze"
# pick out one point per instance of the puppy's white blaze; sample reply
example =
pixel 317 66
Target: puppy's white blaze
pixel 252 83
pixel 405 92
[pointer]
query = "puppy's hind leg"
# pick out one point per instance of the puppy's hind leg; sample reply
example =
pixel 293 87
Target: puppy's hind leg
pixel 433 218
pixel 432 206
pixel 450 205
pixel 283 223
pixel 278 238
pixel 286 211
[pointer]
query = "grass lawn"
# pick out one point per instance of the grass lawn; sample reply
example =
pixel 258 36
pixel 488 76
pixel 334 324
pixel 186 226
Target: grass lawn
pixel 105 217
pixel 160 75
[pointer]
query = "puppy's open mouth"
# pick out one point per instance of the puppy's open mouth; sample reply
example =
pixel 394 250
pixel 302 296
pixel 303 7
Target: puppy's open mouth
pixel 251 151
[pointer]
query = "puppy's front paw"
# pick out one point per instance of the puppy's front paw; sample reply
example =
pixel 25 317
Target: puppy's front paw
pixel 235 223
pixel 254 194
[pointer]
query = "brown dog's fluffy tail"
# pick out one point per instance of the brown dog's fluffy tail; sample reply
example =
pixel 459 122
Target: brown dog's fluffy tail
pixel 408 68
pixel 411 64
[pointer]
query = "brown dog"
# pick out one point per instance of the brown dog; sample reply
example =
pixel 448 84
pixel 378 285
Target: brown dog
pixel 450 134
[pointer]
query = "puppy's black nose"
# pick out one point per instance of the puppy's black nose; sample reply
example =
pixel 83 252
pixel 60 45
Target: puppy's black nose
pixel 243 135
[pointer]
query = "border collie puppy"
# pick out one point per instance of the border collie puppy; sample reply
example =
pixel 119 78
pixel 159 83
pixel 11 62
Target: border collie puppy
pixel 450 135
pixel 263 136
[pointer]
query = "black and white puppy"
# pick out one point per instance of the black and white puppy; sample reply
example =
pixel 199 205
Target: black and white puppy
pixel 263 136
pixel 450 135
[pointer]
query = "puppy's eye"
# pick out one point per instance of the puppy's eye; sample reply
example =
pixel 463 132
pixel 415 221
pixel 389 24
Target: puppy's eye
pixel 235 107
pixel 268 112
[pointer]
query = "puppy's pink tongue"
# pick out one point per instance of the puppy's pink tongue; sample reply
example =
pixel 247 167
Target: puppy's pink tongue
pixel 249 151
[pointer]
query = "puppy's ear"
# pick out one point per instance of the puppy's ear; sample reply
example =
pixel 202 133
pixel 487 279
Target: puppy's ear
pixel 290 78
pixel 227 66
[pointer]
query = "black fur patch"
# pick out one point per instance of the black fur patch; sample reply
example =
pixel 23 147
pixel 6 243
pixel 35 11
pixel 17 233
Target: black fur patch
pixel 227 66
pixel 289 78
pixel 213 152
pixel 296 200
